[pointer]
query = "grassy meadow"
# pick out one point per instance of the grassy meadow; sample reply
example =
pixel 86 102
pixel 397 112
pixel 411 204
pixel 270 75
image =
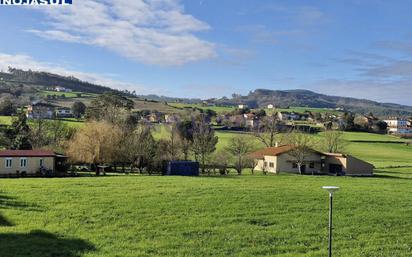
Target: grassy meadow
pixel 67 94
pixel 284 215
pixel 217 109
pixel 72 122
pixel 381 150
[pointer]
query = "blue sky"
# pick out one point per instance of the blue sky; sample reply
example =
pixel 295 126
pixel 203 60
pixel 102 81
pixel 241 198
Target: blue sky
pixel 212 48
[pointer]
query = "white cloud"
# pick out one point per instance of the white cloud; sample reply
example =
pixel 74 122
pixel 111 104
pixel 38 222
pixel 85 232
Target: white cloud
pixel 54 34
pixel 26 62
pixel 153 32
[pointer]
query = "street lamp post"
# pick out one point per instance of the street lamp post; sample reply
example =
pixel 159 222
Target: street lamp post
pixel 331 190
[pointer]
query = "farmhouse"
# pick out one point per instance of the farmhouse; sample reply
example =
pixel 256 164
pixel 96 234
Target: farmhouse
pixel 62 89
pixel 398 126
pixel 251 120
pixel 64 112
pixel 291 116
pixel 40 111
pixel 277 159
pixel 30 162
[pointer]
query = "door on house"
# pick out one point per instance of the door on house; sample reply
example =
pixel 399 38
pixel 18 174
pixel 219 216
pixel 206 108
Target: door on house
pixel 335 169
pixel 303 168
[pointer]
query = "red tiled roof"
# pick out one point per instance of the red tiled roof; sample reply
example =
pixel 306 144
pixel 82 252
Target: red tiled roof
pixel 275 151
pixel 272 151
pixel 27 153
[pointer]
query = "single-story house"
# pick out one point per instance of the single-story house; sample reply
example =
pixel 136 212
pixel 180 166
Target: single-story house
pixel 278 159
pixel 64 112
pixel 40 111
pixel 30 162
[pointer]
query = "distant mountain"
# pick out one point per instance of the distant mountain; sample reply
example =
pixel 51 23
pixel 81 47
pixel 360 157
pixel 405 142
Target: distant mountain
pixel 46 79
pixel 258 98
pixel 305 98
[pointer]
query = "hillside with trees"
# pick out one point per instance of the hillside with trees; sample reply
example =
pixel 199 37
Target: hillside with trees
pixel 46 79
pixel 305 98
pixel 21 86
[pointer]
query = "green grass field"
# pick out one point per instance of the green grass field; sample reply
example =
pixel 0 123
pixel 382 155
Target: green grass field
pixel 284 215
pixel 381 150
pixel 303 110
pixel 72 122
pixel 5 120
pixel 67 94
pixel 217 109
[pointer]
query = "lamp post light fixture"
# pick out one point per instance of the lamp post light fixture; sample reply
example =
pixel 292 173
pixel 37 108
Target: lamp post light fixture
pixel 331 190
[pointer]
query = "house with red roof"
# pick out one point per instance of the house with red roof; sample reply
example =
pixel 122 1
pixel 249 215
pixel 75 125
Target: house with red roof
pixel 30 162
pixel 278 159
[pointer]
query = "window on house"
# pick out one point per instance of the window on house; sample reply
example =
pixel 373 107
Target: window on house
pixel 294 165
pixel 41 162
pixel 271 164
pixel 9 162
pixel 23 162
pixel 265 164
pixel 312 165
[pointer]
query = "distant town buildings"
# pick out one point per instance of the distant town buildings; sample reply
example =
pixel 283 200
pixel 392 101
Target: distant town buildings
pixel 63 112
pixel 40 111
pixel 251 120
pixel 171 118
pixel 43 110
pixel 62 89
pixel 285 116
pixel 398 126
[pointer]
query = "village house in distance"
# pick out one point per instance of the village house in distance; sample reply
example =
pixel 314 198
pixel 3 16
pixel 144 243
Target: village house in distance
pixel 277 159
pixel 398 126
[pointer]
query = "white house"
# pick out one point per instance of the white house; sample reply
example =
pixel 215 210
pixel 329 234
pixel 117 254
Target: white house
pixel 242 106
pixel 270 106
pixel 64 113
pixel 40 111
pixel 62 89
pixel 288 116
pixel 398 126
pixel 277 159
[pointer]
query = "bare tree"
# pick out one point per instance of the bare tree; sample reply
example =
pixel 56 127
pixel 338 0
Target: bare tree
pixel 333 141
pixel 221 162
pixel 173 147
pixel 239 147
pixel 141 148
pixel 38 133
pixel 268 131
pixel 302 144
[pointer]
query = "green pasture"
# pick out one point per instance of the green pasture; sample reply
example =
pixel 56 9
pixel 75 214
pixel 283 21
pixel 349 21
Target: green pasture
pixel 248 215
pixel 217 109
pixel 304 109
pixel 380 150
pixel 67 94
pixel 72 122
